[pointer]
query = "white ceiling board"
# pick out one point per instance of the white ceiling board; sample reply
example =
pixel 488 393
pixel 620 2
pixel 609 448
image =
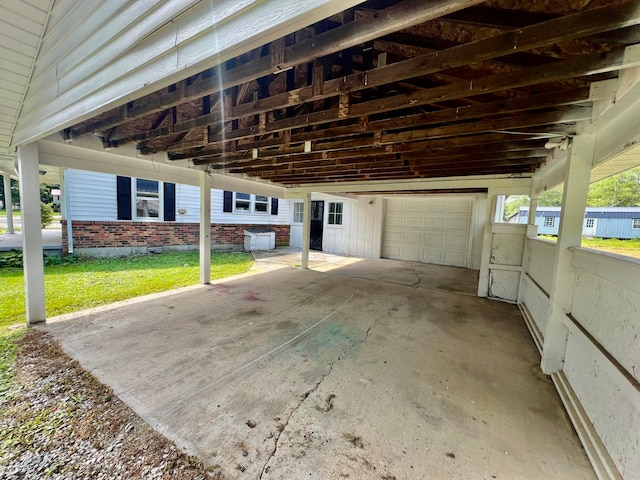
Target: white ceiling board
pixel 21 25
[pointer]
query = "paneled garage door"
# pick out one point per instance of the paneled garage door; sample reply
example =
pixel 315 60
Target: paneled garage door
pixel 432 230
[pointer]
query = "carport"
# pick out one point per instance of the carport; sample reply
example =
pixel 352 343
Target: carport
pixel 375 102
pixel 353 369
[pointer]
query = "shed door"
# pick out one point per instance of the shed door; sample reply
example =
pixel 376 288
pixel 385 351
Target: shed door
pixel 589 227
pixel 428 229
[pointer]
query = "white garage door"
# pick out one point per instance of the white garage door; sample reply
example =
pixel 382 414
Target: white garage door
pixel 427 229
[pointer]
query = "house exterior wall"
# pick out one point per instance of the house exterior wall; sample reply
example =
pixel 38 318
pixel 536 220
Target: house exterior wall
pixel 108 238
pixel 98 232
pixel 92 196
pixel 361 229
pixel 363 221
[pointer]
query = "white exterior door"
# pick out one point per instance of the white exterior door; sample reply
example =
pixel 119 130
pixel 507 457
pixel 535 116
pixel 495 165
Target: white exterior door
pixel 589 227
pixel 429 229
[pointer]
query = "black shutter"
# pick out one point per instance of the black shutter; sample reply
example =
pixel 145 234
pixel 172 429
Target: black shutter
pixel 227 205
pixel 274 206
pixel 169 202
pixel 124 198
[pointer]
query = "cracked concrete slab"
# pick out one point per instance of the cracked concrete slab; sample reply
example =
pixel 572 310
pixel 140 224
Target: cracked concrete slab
pixel 375 369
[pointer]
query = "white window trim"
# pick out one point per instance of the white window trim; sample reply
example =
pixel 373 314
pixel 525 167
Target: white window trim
pixel 589 222
pixel 252 205
pixel 293 213
pixel 635 223
pixel 134 199
pixel 334 225
pixel 552 219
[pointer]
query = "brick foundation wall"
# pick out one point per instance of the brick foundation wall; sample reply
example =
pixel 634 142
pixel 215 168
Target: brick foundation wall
pixel 93 234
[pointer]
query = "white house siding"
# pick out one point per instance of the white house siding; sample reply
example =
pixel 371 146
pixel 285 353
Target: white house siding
pixel 363 223
pixel 93 197
pixel 361 229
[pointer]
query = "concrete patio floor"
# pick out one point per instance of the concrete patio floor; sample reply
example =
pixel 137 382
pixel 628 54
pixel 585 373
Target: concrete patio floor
pixel 371 369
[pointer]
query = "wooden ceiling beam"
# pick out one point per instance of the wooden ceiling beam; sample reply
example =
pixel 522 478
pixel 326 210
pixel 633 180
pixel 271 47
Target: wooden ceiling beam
pixel 397 17
pixel 411 159
pixel 564 115
pixel 576 67
pixel 561 29
pixel 400 174
pixel 477 141
pixel 339 156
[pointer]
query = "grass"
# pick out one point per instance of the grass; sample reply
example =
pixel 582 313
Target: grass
pixel 94 282
pixel 630 248
pixel 3 213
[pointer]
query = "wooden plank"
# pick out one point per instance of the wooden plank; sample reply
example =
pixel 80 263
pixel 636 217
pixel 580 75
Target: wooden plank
pixel 566 115
pixel 475 141
pixel 422 160
pixel 397 17
pixel 341 156
pixel 579 66
pixel 554 31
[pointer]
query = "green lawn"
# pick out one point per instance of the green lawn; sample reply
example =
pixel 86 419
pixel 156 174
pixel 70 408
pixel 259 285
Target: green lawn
pixel 630 248
pixel 94 282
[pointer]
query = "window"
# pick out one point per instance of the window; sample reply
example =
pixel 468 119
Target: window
pixel 636 223
pixel 549 221
pixel 243 202
pixel 248 203
pixel 589 223
pixel 261 204
pixel 298 212
pixel 335 213
pixel 147 198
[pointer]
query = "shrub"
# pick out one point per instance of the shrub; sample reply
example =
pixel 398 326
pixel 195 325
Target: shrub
pixel 46 214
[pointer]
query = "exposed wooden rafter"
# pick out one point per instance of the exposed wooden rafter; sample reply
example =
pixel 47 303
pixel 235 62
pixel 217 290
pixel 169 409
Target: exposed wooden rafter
pixel 410 90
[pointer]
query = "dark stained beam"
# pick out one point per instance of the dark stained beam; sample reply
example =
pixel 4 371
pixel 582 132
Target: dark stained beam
pixel 414 159
pixel 397 17
pixel 497 17
pixel 361 154
pixel 557 30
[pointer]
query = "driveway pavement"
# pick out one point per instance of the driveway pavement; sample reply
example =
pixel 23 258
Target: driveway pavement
pixel 371 369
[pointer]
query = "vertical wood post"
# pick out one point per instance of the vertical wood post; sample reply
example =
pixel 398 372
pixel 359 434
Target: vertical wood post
pixel 574 200
pixel 205 228
pixel 28 165
pixel 8 203
pixel 306 231
pixel 532 231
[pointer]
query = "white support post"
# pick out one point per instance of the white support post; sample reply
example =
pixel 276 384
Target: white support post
pixel 483 280
pixel 205 229
pixel 306 231
pixel 65 208
pixel 8 203
pixel 574 200
pixel 532 231
pixel 28 166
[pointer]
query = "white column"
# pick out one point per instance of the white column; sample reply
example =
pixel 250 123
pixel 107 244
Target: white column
pixel 8 203
pixel 31 232
pixel 574 200
pixel 65 208
pixel 483 277
pixel 205 228
pixel 306 231
pixel 532 231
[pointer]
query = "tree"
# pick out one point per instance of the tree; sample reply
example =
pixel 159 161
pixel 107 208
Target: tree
pixel 622 190
pixel 551 198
